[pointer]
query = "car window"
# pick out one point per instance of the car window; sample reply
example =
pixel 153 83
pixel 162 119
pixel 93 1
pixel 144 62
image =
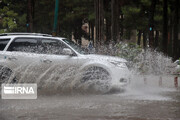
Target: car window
pixel 75 46
pixel 24 45
pixel 3 43
pixel 52 46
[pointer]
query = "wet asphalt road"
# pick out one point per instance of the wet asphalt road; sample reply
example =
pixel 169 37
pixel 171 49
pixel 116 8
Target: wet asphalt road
pixel 138 102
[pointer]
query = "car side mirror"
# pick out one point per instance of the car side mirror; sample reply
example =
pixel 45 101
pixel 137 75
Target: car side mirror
pixel 67 51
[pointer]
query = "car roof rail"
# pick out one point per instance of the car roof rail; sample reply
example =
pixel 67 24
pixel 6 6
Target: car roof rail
pixel 35 34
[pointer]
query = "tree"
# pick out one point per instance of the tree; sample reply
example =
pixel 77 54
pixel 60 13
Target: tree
pixel 115 36
pixel 99 21
pixel 72 15
pixel 43 16
pixel 30 15
pixel 176 42
pixel 151 23
pixel 107 16
pixel 139 37
pixel 165 28
pixel 8 20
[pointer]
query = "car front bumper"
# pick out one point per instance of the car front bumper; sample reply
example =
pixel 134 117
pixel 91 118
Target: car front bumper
pixel 120 77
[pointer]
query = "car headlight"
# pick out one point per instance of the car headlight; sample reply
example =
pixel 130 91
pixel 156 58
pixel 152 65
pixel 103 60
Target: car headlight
pixel 118 64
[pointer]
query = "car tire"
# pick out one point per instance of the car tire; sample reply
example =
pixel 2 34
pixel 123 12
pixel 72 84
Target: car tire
pixel 5 75
pixel 97 78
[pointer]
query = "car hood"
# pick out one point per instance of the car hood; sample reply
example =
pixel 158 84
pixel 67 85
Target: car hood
pixel 104 57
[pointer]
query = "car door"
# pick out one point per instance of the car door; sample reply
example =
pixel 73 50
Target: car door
pixel 5 67
pixel 21 56
pixel 55 65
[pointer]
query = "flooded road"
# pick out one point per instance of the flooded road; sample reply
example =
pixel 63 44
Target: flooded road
pixel 142 100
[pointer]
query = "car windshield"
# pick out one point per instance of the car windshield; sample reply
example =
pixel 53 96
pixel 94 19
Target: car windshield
pixel 75 46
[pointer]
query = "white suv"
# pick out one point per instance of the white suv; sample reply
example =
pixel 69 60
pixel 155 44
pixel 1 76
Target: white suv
pixel 41 58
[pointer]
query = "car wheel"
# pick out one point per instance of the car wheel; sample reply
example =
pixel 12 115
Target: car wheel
pixel 97 78
pixel 5 74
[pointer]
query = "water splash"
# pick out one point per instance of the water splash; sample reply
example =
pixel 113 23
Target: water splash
pixel 153 62
pixel 58 79
pixel 140 61
pixel 54 79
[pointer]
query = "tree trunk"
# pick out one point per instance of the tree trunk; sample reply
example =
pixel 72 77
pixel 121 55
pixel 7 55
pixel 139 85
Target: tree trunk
pixel 176 45
pixel 115 21
pixel 108 31
pixel 139 38
pixel 30 16
pixel 165 29
pixel 151 23
pixel 121 26
pixel 99 22
pixel 156 43
pixel 170 52
pixel 144 40
pixel 107 26
pixel 92 33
